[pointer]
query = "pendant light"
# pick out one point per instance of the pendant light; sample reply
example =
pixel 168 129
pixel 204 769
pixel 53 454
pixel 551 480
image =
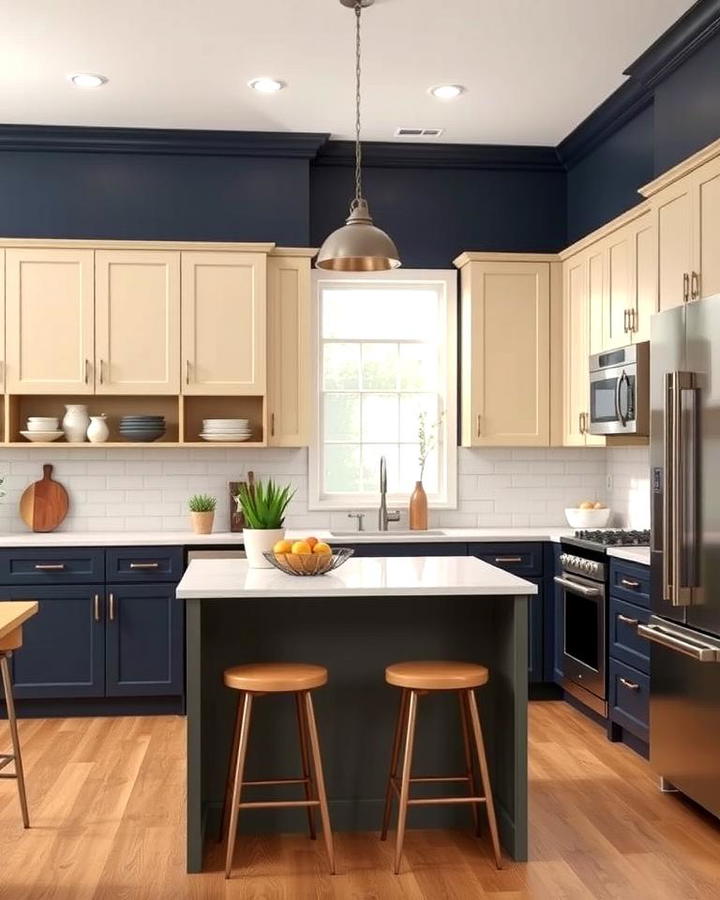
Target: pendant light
pixel 358 246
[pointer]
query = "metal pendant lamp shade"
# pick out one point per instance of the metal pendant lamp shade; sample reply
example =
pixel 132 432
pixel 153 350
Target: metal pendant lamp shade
pixel 359 246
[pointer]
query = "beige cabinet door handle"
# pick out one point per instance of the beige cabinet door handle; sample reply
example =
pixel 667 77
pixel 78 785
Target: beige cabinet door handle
pixel 102 371
pixel 694 285
pixel 87 371
pixel 187 371
pixel 686 287
pixel 478 425
pixel 272 424
pixel 626 320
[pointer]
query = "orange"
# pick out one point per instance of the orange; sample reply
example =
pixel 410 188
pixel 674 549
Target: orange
pixel 311 541
pixel 282 547
pixel 322 549
pixel 302 548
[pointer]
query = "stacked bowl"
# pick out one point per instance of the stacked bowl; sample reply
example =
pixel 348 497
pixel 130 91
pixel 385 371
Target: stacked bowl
pixel 142 428
pixel 226 430
pixel 42 428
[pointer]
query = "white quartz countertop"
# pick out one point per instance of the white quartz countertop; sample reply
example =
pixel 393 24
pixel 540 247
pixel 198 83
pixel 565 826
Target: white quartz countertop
pixel 639 555
pixel 187 538
pixel 419 576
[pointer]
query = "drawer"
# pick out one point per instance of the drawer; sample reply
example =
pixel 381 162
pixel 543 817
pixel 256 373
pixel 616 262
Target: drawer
pixel 630 698
pixel 129 564
pixel 625 643
pixel 630 582
pixel 520 559
pixel 60 565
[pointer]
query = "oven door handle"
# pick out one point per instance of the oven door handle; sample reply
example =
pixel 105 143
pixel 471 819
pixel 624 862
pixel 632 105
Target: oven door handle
pixel 618 391
pixel 576 588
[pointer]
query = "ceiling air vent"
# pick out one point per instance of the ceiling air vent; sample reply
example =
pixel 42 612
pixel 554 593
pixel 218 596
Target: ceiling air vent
pixel 418 132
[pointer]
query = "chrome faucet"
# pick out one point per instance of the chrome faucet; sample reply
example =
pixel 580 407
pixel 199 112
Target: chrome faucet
pixel 385 515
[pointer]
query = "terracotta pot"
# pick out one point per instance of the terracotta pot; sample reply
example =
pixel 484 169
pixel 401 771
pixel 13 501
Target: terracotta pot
pixel 202 522
pixel 418 508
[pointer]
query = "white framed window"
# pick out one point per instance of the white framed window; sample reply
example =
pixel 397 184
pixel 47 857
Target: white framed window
pixel 386 351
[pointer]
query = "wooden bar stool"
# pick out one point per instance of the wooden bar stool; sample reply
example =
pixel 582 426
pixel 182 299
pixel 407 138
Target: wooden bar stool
pixel 276 678
pixel 8 643
pixel 415 679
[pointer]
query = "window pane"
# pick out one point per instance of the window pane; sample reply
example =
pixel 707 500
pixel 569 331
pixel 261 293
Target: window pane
pixel 371 454
pixel 411 405
pixel 379 417
pixel 379 367
pixel 380 313
pixel 342 417
pixel 342 469
pixel 418 367
pixel 410 469
pixel 341 367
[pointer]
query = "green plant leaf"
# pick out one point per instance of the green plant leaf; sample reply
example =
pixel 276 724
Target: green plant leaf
pixel 264 504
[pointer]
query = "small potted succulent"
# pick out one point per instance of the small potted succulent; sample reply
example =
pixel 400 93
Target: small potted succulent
pixel 263 505
pixel 202 513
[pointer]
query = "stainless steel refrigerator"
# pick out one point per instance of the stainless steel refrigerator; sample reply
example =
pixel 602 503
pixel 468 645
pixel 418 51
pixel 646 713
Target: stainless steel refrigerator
pixel 684 629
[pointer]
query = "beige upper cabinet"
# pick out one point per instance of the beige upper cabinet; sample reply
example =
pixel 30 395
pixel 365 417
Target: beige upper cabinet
pixel 643 278
pixel 706 248
pixel 673 211
pixel 596 300
pixel 2 321
pixel 288 348
pixel 49 321
pixel 576 345
pixel 506 353
pixel 137 322
pixel 223 322
pixel 616 317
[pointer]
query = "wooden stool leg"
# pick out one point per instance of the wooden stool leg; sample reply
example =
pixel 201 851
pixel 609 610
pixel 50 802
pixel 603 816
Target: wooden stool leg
pixel 302 732
pixel 231 769
pixel 485 775
pixel 405 784
pixel 237 783
pixel 469 767
pixel 394 759
pixel 319 779
pixel 12 720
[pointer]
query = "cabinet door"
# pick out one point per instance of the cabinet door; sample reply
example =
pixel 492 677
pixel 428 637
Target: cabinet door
pixel 643 299
pixel 223 323
pixel 49 319
pixel 144 640
pixel 507 315
pixel 673 208
pixel 576 332
pixel 137 322
pixel 597 302
pixel 617 294
pixel 707 222
pixel 288 347
pixel 63 652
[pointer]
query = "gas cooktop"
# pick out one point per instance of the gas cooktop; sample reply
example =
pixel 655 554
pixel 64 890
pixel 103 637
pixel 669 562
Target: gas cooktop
pixel 613 537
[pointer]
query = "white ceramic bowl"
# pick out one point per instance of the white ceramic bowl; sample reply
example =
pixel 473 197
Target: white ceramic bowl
pixel 36 436
pixel 50 425
pixel 587 518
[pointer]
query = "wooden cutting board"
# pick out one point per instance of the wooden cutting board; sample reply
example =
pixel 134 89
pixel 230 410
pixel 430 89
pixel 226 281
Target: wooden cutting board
pixel 44 504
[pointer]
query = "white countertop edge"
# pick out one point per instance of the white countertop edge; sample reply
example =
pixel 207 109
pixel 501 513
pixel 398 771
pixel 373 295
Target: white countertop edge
pixel 639 555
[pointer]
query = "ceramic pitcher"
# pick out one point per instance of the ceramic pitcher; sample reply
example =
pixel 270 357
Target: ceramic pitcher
pixel 75 422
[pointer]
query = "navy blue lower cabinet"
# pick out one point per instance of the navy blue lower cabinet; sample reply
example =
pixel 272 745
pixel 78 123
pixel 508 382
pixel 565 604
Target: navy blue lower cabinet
pixel 144 640
pixel 535 632
pixel 63 652
pixel 559 629
pixel 629 699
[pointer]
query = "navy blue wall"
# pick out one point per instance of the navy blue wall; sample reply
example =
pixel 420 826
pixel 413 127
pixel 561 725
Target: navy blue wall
pixel 434 214
pixel 138 196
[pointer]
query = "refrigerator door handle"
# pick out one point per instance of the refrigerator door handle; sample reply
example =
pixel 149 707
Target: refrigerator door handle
pixel 696 649
pixel 667 488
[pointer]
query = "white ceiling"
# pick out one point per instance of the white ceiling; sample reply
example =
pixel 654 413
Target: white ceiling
pixel 533 68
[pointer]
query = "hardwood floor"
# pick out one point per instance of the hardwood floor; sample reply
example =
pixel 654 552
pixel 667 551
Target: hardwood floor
pixel 106 803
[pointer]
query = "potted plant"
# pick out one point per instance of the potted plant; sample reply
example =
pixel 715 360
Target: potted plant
pixel 418 507
pixel 202 513
pixel 263 505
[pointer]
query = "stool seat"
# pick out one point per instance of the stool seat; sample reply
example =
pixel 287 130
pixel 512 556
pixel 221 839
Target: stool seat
pixel 276 677
pixel 436 675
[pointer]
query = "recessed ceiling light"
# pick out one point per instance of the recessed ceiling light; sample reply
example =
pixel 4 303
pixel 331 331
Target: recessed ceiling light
pixel 447 91
pixel 88 80
pixel 266 85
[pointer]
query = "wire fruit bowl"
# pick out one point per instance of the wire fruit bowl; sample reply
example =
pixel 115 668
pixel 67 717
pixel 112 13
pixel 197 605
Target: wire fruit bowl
pixel 309 563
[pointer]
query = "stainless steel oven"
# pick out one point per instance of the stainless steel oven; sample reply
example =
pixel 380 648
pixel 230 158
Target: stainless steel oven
pixel 620 391
pixel 583 617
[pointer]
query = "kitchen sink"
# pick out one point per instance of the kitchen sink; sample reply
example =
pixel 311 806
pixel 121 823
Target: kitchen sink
pixel 393 532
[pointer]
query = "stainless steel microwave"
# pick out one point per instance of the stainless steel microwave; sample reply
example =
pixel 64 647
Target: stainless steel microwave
pixel 620 391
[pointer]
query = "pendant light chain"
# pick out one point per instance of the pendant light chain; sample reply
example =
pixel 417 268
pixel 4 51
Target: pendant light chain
pixel 358 147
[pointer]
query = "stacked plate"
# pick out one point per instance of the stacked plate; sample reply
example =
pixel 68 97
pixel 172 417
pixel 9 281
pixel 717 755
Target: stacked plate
pixel 42 428
pixel 142 428
pixel 226 430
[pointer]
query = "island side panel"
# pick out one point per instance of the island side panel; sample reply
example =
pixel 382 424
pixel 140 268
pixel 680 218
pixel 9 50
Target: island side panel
pixel 193 693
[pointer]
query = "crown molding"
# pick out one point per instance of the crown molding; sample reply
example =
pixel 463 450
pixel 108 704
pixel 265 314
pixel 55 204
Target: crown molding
pixel 68 138
pixel 386 154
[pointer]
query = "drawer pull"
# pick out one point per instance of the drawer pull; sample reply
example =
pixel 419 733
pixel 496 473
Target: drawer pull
pixel 49 567
pixel 630 685
pixel 508 559
pixel 144 565
pixel 633 585
pixel 626 620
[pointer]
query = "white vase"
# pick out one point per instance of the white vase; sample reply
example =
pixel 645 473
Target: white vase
pixel 98 431
pixel 75 423
pixel 258 541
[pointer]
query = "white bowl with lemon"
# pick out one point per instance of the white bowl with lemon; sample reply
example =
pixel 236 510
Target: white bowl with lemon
pixel 308 556
pixel 589 514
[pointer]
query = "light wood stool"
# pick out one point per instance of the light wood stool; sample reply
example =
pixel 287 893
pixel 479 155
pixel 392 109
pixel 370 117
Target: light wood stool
pixel 10 642
pixel 415 679
pixel 276 678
